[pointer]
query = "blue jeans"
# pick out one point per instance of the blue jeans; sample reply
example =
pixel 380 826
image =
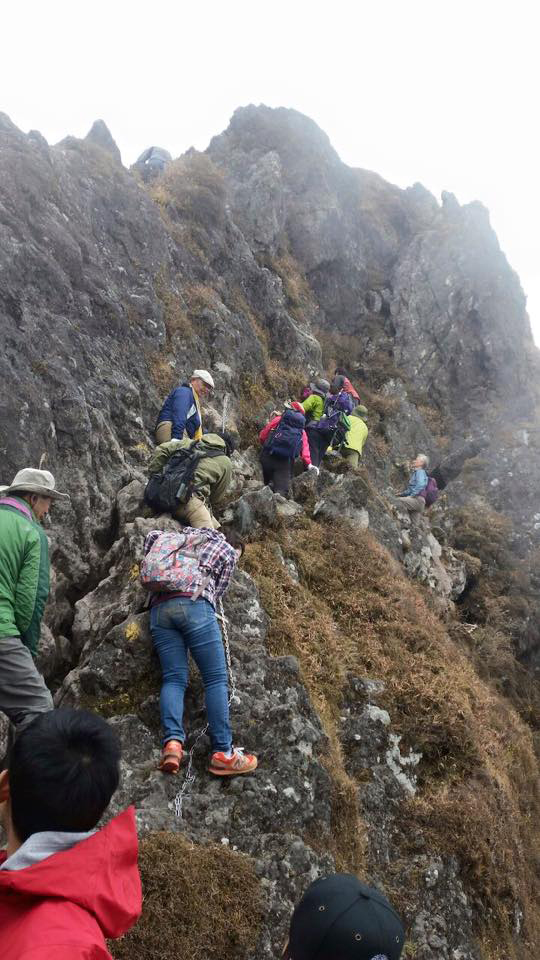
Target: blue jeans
pixel 179 625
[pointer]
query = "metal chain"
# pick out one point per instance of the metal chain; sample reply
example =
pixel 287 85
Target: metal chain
pixel 190 775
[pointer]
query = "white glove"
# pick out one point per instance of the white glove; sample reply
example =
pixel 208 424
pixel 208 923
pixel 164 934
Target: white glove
pixel 313 467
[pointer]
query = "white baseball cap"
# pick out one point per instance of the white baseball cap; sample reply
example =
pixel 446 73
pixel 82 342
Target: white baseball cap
pixel 204 376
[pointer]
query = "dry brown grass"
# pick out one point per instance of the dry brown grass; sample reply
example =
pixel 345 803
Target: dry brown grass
pixel 192 188
pixel 162 374
pixel 296 288
pixel 201 902
pixel 478 778
pixel 256 392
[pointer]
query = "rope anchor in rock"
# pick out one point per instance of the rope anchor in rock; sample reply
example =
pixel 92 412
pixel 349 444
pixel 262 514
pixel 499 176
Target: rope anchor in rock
pixel 190 775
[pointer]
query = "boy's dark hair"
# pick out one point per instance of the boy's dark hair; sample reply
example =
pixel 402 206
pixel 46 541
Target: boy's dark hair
pixel 340 372
pixel 233 539
pixel 231 441
pixel 63 771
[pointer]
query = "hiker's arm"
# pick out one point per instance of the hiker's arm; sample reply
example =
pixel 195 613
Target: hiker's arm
pixel 32 590
pixel 226 570
pixel 161 454
pixel 305 454
pixel 182 401
pixel 268 428
pixel 219 489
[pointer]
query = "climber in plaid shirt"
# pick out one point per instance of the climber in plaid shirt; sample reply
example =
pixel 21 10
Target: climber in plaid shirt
pixel 185 619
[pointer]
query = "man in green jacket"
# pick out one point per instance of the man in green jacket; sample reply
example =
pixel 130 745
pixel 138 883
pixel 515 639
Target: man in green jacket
pixel 212 476
pixel 24 588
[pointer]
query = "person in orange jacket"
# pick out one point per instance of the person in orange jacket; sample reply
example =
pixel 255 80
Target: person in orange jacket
pixel 347 385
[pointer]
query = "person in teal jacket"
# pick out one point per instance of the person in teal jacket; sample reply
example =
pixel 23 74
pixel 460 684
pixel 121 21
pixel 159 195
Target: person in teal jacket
pixel 24 588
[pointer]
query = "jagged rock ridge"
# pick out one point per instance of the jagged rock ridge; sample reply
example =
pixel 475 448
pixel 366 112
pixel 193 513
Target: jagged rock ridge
pixel 266 258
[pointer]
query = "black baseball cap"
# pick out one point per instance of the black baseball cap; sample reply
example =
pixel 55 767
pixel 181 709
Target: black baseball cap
pixel 339 918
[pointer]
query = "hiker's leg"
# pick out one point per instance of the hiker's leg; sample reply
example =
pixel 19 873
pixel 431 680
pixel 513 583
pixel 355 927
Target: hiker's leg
pixel 23 691
pixel 319 445
pixel 413 504
pixel 314 450
pixel 351 456
pixel 163 432
pixel 195 513
pixel 282 476
pixel 268 466
pixel 172 652
pixel 203 637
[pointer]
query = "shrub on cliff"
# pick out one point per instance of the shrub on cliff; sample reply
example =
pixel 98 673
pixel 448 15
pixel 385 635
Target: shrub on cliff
pixel 192 188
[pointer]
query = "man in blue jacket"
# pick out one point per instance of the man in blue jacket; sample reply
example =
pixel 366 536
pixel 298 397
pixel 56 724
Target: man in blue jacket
pixel 412 498
pixel 180 415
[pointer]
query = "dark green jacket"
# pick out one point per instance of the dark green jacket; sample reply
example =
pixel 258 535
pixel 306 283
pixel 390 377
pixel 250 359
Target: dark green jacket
pixel 212 475
pixel 24 575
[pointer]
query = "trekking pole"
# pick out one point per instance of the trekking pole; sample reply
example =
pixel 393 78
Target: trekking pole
pixel 225 411
pixel 190 775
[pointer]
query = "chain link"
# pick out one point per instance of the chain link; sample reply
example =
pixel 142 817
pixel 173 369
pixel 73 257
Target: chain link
pixel 190 776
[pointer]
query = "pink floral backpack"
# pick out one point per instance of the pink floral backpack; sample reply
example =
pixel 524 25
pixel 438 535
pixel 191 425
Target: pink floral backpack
pixel 171 562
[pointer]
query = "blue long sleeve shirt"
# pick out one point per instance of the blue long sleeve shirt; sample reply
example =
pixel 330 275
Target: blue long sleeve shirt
pixel 417 482
pixel 181 409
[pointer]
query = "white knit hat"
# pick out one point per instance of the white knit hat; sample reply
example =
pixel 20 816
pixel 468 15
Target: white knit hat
pixel 34 481
pixel 204 376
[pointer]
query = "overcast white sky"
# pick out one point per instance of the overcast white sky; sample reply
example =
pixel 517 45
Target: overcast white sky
pixel 444 93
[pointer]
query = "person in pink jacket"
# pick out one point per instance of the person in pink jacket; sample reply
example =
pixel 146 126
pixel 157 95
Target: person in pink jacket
pixel 284 439
pixel 65 887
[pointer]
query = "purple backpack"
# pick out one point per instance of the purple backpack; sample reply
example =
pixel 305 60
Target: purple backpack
pixel 430 493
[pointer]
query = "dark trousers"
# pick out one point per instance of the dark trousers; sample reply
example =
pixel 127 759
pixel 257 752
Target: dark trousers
pixel 319 441
pixel 277 472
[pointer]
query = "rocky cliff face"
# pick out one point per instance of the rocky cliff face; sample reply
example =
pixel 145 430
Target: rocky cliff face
pixel 385 674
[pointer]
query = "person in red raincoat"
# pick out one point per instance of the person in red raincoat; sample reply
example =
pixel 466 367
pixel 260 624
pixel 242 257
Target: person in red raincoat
pixel 65 887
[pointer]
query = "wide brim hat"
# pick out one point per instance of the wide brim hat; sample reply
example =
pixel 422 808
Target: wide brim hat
pixel 29 480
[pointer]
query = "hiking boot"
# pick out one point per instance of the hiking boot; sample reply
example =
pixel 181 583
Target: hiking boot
pixel 171 756
pixel 240 762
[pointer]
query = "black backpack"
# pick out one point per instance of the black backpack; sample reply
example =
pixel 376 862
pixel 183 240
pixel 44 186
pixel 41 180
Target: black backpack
pixel 175 484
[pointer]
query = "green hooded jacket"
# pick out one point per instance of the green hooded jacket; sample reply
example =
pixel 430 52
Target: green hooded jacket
pixel 24 574
pixel 212 475
pixel 313 406
pixel 358 433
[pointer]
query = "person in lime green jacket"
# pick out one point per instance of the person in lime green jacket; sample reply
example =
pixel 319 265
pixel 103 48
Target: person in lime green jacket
pixel 356 436
pixel 313 405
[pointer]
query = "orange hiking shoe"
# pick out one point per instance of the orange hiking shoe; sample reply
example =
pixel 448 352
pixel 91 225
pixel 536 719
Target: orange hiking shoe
pixel 223 766
pixel 171 756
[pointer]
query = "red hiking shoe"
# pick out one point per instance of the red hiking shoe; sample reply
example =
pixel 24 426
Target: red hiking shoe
pixel 171 756
pixel 239 762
